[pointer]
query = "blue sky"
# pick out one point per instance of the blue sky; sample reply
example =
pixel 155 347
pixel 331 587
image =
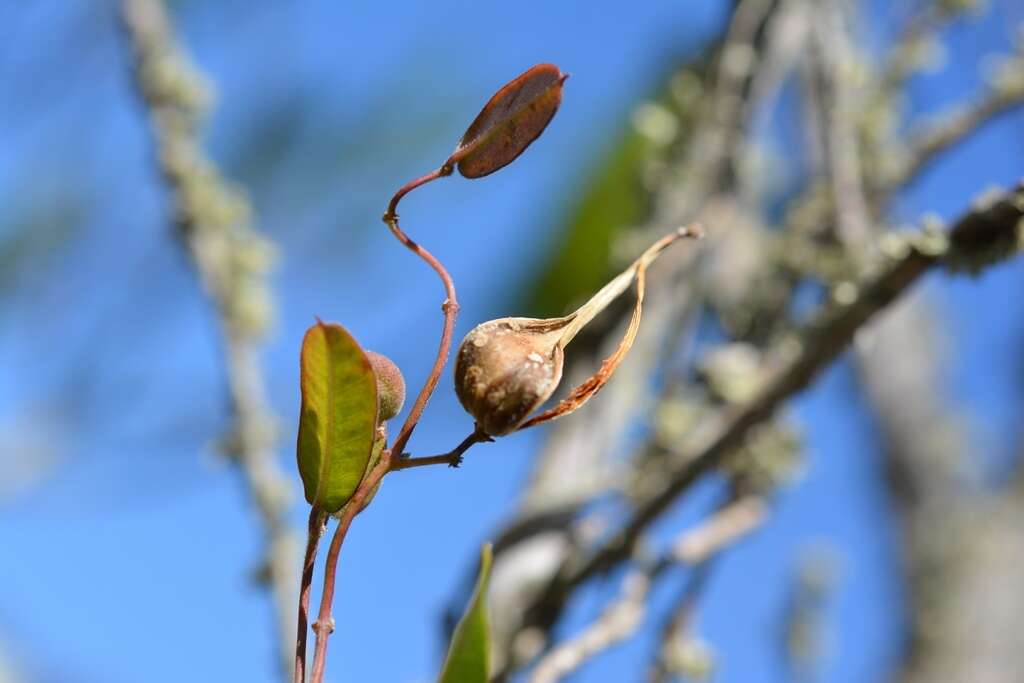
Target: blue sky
pixel 126 542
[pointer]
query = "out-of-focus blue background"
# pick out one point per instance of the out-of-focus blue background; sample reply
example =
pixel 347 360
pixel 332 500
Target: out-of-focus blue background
pixel 126 545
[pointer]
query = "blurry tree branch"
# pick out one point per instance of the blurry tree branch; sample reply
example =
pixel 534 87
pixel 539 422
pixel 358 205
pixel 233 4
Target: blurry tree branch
pixel 678 652
pixel 1005 91
pixel 620 619
pixel 962 546
pixel 957 587
pixel 915 45
pixel 985 235
pixel 211 219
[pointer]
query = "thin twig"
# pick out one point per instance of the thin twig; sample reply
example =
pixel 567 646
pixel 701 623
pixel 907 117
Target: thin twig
pixel 317 522
pixel 951 128
pixel 452 458
pixel 617 622
pixel 325 622
pixel 842 146
pixel 211 225
pixel 324 625
pixel 904 55
pixel 675 625
pixel 450 307
pixel 392 211
pixel 713 151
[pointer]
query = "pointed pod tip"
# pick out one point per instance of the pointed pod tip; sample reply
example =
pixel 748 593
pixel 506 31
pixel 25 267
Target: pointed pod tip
pixel 694 231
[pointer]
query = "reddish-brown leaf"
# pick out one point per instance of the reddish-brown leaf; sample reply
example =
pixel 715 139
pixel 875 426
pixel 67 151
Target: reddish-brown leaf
pixel 509 122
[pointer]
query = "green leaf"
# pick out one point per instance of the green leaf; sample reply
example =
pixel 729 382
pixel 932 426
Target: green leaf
pixel 469 655
pixel 612 201
pixel 338 418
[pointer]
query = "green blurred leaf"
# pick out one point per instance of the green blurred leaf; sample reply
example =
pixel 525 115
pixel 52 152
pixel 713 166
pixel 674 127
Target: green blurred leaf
pixel 614 200
pixel 469 655
pixel 338 419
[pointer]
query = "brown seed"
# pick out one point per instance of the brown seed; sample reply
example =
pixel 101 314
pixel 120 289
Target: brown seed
pixel 506 368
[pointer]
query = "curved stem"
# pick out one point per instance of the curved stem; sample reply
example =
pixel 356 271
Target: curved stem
pixel 450 305
pixel 317 521
pixel 392 211
pixel 324 625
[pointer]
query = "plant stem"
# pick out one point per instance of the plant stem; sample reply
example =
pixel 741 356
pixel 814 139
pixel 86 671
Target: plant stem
pixel 452 458
pixel 450 305
pixel 392 211
pixel 317 524
pixel 324 625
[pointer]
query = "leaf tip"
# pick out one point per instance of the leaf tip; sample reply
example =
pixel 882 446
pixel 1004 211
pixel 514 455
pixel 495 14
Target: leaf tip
pixel 486 556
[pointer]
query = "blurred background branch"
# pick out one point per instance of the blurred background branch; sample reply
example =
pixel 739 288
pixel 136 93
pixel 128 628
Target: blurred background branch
pixel 621 618
pixel 212 222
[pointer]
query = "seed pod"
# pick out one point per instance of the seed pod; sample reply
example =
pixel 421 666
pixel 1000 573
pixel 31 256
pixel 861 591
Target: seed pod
pixel 390 385
pixel 506 368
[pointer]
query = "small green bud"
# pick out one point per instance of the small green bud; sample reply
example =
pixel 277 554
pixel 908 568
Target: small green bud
pixel 390 385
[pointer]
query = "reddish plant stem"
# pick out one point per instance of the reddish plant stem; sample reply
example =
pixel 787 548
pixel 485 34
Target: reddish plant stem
pixel 324 625
pixel 317 520
pixel 452 458
pixel 450 306
pixel 392 212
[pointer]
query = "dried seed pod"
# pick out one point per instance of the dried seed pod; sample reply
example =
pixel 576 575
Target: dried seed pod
pixel 506 368
pixel 390 385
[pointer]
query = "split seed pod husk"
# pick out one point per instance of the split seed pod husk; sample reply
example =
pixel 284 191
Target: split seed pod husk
pixel 505 369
